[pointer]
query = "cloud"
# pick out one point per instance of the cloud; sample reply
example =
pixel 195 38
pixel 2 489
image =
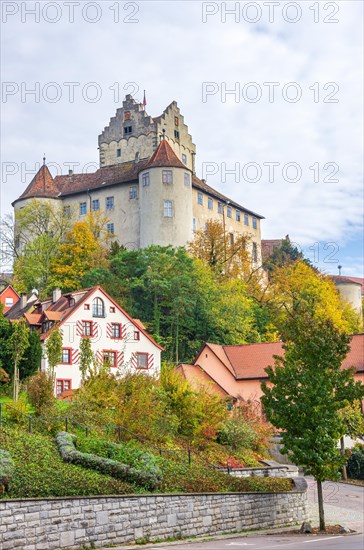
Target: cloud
pixel 170 53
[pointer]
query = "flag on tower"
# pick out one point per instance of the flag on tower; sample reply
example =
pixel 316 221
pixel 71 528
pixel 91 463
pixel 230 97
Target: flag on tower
pixel 144 100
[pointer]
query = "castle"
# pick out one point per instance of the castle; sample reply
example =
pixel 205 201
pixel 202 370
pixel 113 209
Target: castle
pixel 146 185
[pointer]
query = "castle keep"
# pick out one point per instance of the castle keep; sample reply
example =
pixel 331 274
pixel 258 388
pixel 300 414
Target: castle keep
pixel 146 184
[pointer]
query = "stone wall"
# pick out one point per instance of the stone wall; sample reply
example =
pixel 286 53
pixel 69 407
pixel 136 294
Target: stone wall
pixel 46 524
pixel 267 471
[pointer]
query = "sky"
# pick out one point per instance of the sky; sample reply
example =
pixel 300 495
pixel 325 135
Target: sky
pixel 271 92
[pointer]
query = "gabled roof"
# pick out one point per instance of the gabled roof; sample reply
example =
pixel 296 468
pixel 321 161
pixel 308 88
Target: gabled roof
pixel 165 156
pixel 16 312
pixel 249 361
pixel 42 185
pixel 7 288
pixel 198 377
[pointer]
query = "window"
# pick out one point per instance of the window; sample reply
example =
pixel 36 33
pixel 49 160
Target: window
pixel 110 228
pixel 62 385
pixel 209 203
pixel 136 335
pixel 184 158
pixel 246 219
pixel 132 192
pixel 176 121
pixel 109 203
pixel 110 358
pixel 142 360
pixel 9 302
pixel 66 356
pixel 187 179
pixel 98 308
pixel 127 130
pixel 127 115
pixel 86 328
pixel 231 238
pixel 167 176
pixel 145 179
pixel 255 252
pixel 95 205
pixel 176 134
pixel 17 241
pixel 238 215
pixel 112 309
pixel 86 306
pixel 219 208
pixel 229 212
pixel 194 224
pixel 118 152
pixel 67 212
pixel 168 212
pixel 83 208
pixel 254 223
pixel 115 330
pixel 199 198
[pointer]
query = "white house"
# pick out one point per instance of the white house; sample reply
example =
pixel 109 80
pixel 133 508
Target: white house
pixel 92 313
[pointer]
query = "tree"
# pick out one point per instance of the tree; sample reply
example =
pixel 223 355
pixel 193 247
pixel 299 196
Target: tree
pixel 31 361
pixel 19 342
pixel 5 349
pixel 86 357
pixel 53 349
pixel 283 255
pixel 308 390
pixel 40 391
pixel 80 252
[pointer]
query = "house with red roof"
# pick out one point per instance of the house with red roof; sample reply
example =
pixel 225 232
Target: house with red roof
pixel 8 297
pixel 238 371
pixel 90 313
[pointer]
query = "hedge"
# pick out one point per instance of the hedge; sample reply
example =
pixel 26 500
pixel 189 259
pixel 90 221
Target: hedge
pixel 355 465
pixel 6 469
pixel 66 445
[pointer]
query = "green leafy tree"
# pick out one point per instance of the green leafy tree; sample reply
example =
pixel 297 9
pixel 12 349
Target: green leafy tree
pixel 308 390
pixel 86 357
pixel 19 342
pixel 31 361
pixel 5 349
pixel 284 254
pixel 53 349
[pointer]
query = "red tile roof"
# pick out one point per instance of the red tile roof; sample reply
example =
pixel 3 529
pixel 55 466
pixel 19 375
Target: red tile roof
pixel 349 280
pixel 42 185
pixel 199 378
pixel 249 361
pixel 165 156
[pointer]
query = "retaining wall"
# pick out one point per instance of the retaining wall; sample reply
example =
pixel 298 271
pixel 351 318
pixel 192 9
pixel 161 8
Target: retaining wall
pixel 54 523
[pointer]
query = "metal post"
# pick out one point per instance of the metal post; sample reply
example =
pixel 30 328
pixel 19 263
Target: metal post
pixel 189 457
pixel 86 431
pixel 160 452
pixel 119 433
pixel 66 424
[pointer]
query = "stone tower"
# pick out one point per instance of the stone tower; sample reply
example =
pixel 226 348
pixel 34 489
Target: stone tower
pixel 165 185
pixel 133 135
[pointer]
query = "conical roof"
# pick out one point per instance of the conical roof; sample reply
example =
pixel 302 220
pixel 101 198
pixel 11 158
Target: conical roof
pixel 164 156
pixel 42 185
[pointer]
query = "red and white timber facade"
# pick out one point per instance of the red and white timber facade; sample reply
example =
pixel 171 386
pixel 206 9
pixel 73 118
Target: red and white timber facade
pixel 116 338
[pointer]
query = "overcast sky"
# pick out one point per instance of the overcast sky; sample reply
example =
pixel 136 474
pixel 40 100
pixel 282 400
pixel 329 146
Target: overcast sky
pixel 295 69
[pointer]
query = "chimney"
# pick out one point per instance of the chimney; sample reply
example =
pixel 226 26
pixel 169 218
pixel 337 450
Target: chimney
pixel 56 294
pixel 23 301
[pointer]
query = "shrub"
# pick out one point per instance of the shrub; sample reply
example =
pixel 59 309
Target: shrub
pixel 41 393
pixel 237 434
pixel 6 469
pixel 41 472
pixel 66 444
pixel 16 411
pixel 355 465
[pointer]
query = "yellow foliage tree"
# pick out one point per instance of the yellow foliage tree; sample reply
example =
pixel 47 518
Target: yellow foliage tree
pixel 80 252
pixel 298 286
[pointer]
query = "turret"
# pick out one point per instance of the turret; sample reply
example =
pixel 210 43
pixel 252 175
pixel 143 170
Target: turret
pixel 165 185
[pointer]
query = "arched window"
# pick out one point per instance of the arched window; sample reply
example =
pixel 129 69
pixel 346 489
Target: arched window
pixel 98 308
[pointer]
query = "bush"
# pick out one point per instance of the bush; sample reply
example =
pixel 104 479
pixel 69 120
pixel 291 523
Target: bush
pixel 16 411
pixel 41 472
pixel 41 393
pixel 237 434
pixel 6 469
pixel 355 465
pixel 66 444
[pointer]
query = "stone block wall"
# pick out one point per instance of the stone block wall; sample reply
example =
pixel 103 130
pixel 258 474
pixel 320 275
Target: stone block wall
pixel 57 523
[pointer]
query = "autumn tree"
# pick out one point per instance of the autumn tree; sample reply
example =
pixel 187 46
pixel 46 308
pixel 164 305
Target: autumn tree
pixel 296 287
pixel 86 357
pixel 283 254
pixel 80 252
pixel 308 388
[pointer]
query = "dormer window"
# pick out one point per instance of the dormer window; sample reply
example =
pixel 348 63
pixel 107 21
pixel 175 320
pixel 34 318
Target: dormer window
pixel 98 308
pixel 128 130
